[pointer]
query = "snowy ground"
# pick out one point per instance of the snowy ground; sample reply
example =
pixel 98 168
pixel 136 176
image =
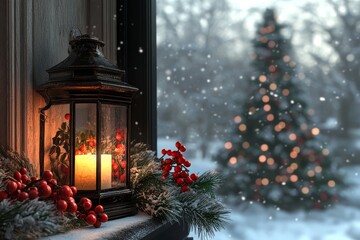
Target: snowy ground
pixel 255 222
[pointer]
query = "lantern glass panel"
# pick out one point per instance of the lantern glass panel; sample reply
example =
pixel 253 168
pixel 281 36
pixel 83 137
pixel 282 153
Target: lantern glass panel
pixel 114 141
pixel 57 142
pixel 85 147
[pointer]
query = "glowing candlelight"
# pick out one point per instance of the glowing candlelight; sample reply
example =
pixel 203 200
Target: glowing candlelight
pixel 85 171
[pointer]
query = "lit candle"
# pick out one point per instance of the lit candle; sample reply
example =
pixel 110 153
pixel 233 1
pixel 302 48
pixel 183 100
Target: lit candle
pixel 85 171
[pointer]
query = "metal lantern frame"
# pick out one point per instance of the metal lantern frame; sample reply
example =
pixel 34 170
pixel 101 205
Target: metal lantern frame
pixel 86 76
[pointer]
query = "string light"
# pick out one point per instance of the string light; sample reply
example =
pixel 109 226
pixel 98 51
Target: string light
pixel 242 127
pixel 262 78
pixel 228 145
pixel 311 173
pixel 273 86
pixel 265 98
pixel 285 92
pixel 270 117
pixel 265 181
pixel 237 119
pixel 245 145
pixel 267 107
pixel 331 183
pixel 305 190
pixel 292 136
pixel 264 147
pixel 270 161
pixel 318 169
pixel 286 58
pixel 294 178
pixel 232 160
pixel 272 68
pixel 315 131
pixel 262 158
pixel 325 151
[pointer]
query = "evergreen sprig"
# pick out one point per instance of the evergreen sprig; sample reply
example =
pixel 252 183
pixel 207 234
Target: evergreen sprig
pixel 198 208
pixel 29 219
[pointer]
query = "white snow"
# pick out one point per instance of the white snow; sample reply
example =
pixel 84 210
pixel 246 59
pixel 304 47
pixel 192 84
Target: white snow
pixel 256 222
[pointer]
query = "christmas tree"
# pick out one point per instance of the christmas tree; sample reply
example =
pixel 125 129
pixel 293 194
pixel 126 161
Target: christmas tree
pixel 275 155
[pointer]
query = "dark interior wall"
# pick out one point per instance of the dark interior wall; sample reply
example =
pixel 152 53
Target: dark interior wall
pixel 3 75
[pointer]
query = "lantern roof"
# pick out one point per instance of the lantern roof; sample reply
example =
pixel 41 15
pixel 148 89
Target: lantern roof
pixel 86 68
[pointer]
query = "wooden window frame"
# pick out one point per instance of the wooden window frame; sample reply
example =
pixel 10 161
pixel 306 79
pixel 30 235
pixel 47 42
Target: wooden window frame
pixel 137 32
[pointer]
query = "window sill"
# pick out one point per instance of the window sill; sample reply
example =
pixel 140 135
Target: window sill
pixel 137 227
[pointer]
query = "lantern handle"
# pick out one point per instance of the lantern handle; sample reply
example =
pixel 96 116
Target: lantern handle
pixel 73 34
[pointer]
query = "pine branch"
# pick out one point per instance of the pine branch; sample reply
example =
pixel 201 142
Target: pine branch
pixel 205 215
pixel 208 182
pixel 29 219
pixel 11 161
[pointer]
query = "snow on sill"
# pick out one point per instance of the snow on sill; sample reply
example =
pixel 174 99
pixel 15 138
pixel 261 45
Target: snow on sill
pixel 130 228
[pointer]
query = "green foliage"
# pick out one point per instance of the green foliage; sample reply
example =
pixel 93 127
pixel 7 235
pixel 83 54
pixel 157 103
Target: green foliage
pixel 29 219
pixel 198 208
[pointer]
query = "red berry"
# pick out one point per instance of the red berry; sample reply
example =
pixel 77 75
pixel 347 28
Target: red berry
pixel 83 200
pixel 53 181
pixel 45 191
pixel 115 166
pixel 61 205
pixel 74 190
pixel 33 179
pixel 22 196
pixel 162 178
pixel 23 171
pixel 97 224
pixel 67 116
pixel 123 178
pixel 72 207
pixel 103 217
pixel 182 148
pixel 178 145
pixel 24 178
pixel 17 175
pixel 185 188
pixel 66 191
pixel 33 193
pixel 194 177
pixel 163 152
pixel 123 164
pixel 181 160
pixel 188 180
pixel 77 152
pixel 184 174
pixel 82 148
pixel 177 168
pixel 99 209
pixel 11 187
pixel 168 152
pixel 167 167
pixel 176 175
pixel 180 181
pixel 47 175
pixel 90 219
pixel 87 205
pixel 3 195
pixel 43 183
pixel 118 137
pixel 187 163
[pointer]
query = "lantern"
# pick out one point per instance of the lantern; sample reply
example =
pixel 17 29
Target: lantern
pixel 84 128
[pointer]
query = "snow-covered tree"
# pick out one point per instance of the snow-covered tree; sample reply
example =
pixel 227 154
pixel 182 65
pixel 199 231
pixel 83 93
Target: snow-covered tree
pixel 275 156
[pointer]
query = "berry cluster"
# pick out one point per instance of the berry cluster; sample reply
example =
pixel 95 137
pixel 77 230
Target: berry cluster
pixel 179 164
pixel 118 161
pixel 22 187
pixel 94 216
